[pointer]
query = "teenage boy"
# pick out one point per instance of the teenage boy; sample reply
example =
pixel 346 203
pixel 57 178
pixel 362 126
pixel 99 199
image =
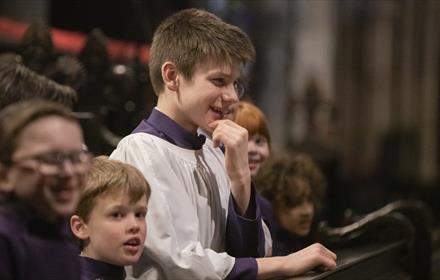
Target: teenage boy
pixel 109 222
pixel 204 221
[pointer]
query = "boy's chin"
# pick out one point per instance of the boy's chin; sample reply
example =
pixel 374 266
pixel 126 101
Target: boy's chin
pixel 64 210
pixel 208 130
pixel 129 260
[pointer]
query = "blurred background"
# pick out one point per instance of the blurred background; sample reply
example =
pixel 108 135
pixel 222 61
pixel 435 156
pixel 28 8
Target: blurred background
pixel 353 82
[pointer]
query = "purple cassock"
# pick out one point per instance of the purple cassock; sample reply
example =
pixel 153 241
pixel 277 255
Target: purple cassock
pixel 93 269
pixel 32 248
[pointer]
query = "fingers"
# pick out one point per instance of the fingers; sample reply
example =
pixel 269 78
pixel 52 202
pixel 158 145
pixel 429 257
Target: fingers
pixel 323 257
pixel 324 250
pixel 229 133
pixel 216 141
pixel 315 256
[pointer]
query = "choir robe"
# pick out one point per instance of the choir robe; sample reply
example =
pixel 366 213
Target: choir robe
pixel 33 248
pixel 193 229
pixel 97 270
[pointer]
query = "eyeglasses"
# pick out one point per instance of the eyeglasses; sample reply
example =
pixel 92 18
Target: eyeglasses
pixel 53 163
pixel 239 88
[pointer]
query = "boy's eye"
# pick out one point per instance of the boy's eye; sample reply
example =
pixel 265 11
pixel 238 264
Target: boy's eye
pixel 260 140
pixel 141 214
pixel 219 82
pixel 117 215
pixel 239 88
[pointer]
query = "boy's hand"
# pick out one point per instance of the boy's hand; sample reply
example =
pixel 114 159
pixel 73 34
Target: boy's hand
pixel 312 257
pixel 235 140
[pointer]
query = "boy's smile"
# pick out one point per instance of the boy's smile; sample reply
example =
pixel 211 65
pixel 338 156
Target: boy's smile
pixel 258 152
pixel 205 98
pixel 52 195
pixel 220 112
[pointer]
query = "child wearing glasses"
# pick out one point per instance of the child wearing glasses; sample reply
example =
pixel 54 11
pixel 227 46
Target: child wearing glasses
pixel 42 171
pixel 109 222
pixel 204 221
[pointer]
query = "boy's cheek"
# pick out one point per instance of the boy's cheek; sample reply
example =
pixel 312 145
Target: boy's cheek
pixel 60 203
pixel 208 129
pixel 6 187
pixel 22 184
pixel 144 234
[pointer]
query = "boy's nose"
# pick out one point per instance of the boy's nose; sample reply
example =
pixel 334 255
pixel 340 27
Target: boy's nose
pixel 67 168
pixel 307 208
pixel 230 94
pixel 133 225
pixel 252 147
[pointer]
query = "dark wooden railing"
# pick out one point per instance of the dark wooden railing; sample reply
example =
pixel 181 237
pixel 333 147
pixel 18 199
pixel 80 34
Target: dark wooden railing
pixel 393 242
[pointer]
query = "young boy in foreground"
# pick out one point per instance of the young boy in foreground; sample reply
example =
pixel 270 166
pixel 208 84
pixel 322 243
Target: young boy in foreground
pixel 110 219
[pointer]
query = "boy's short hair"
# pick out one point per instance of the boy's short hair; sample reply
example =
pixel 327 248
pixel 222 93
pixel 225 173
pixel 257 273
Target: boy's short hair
pixel 16 117
pixel 252 118
pixel 19 83
pixel 279 180
pixel 107 176
pixel 193 36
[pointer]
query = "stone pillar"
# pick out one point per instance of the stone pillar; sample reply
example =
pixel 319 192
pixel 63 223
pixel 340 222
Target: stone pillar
pixel 429 116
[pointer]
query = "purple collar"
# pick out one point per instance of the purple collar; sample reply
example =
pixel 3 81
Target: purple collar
pixel 160 125
pixel 94 269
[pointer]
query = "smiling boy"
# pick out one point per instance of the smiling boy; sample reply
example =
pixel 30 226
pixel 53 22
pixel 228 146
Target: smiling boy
pixel 42 170
pixel 204 221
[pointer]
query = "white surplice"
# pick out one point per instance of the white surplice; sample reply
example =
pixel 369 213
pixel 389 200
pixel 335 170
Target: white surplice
pixel 187 210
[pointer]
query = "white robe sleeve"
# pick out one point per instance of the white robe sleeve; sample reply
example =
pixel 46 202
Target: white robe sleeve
pixel 173 247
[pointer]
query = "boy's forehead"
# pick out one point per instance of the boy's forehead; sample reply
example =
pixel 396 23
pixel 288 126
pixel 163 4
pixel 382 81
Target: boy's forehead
pixel 116 195
pixel 223 67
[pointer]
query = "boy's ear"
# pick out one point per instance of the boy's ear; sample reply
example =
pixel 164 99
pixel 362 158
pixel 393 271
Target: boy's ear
pixel 79 227
pixel 5 184
pixel 170 76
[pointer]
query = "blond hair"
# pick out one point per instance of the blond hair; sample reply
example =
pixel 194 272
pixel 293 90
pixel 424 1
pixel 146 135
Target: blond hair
pixel 109 176
pixel 193 36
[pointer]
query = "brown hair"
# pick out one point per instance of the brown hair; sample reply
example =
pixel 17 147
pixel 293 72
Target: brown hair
pixel 109 176
pixel 193 36
pixel 252 118
pixel 281 180
pixel 16 117
pixel 20 83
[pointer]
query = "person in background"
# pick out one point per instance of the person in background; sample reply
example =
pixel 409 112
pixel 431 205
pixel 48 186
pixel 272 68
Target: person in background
pixel 295 186
pixel 36 47
pixel 249 116
pixel 109 222
pixel 19 83
pixel 42 172
pixel 204 221
pixel 252 118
